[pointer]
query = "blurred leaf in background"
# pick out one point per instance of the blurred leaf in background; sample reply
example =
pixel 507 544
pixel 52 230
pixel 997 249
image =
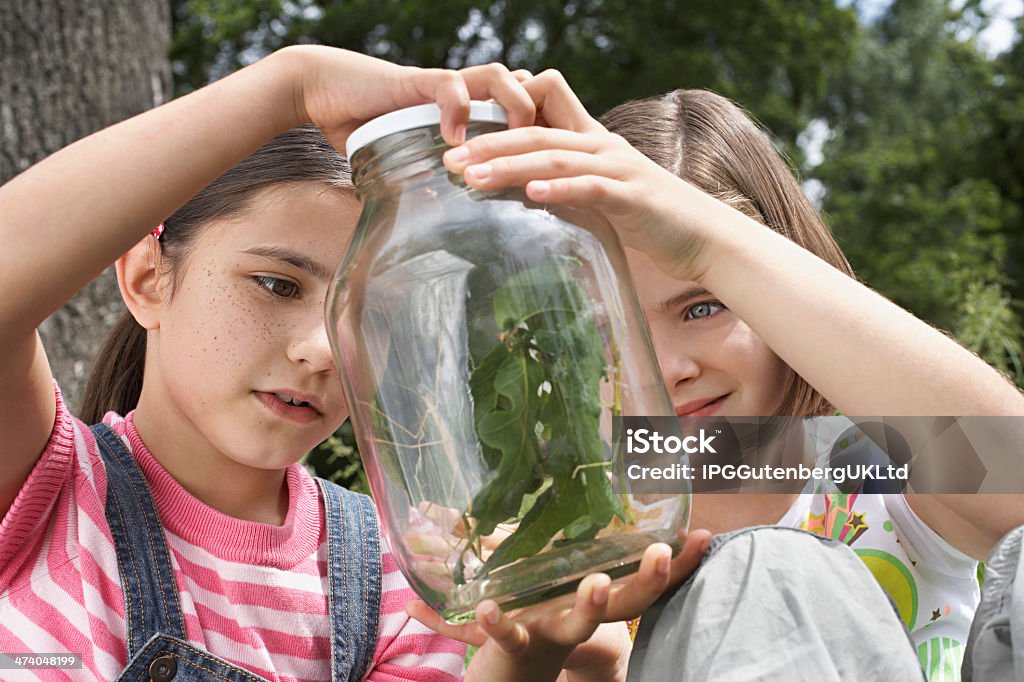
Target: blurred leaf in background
pixel 989 324
pixel 776 56
pixel 919 177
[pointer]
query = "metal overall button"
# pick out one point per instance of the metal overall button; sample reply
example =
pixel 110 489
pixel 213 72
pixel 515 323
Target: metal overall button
pixel 163 669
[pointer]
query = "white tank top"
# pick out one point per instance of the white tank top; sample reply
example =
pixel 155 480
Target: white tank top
pixel 933 584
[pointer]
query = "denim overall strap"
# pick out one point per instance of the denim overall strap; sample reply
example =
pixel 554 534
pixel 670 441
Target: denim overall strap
pixel 143 560
pixel 354 575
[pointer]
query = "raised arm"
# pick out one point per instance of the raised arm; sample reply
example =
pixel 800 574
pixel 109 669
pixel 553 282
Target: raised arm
pixel 69 217
pixel 865 354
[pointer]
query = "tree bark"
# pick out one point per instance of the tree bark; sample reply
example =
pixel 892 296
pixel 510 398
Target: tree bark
pixel 67 69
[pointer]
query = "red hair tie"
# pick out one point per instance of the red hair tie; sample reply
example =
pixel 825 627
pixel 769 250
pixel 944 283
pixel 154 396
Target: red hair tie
pixel 158 230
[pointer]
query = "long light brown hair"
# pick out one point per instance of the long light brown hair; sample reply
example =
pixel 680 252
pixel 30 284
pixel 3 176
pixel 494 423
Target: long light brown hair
pixel 712 143
pixel 298 156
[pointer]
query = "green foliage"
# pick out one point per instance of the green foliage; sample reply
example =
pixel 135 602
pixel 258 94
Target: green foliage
pixel 537 407
pixel 919 189
pixel 989 324
pixel 1001 153
pixel 776 58
pixel 212 38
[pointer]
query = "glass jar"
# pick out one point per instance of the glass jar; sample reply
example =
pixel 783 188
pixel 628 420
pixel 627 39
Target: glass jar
pixel 486 346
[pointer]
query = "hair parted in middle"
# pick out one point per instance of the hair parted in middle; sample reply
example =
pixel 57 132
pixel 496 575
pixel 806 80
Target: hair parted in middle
pixel 712 143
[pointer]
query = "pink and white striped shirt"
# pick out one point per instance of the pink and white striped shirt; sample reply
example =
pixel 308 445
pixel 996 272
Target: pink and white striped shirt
pixel 251 593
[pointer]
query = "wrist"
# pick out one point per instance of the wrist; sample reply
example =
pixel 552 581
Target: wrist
pixel 540 663
pixel 290 65
pixel 729 238
pixel 738 247
pixel 689 235
pixel 603 658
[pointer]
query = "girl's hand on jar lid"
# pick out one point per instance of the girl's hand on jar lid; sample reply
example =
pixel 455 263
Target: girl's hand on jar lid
pixel 338 90
pixel 577 163
pixel 495 82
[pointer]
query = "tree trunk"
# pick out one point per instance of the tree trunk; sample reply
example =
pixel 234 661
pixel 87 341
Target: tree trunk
pixel 67 69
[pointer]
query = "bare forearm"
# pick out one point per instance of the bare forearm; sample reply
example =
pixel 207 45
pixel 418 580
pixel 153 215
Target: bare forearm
pixel 865 354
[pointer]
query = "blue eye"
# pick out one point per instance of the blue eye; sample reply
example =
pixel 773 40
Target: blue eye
pixel 282 288
pixel 703 310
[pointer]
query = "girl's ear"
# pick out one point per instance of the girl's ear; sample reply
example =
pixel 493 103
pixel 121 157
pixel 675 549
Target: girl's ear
pixel 138 276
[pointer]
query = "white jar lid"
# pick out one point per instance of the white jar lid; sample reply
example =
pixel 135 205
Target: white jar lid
pixel 416 117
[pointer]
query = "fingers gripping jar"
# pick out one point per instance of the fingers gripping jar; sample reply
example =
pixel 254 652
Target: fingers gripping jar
pixel 486 347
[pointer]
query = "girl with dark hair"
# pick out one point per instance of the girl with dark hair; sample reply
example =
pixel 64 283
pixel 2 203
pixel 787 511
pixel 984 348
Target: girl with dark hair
pixel 183 540
pixel 754 311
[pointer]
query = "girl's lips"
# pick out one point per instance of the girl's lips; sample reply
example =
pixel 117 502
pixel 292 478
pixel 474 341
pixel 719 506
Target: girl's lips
pixel 293 413
pixel 700 408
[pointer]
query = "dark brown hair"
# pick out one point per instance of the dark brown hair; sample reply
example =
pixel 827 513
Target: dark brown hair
pixel 299 155
pixel 712 143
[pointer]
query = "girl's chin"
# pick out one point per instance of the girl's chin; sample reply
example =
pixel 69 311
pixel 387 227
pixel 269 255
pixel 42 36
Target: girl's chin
pixel 268 464
pixel 265 456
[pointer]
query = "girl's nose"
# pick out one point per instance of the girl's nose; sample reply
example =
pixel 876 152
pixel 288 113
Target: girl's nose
pixel 677 367
pixel 311 346
pixel 678 363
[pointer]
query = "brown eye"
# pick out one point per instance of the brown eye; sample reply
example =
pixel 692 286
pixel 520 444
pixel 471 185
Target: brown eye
pixel 282 288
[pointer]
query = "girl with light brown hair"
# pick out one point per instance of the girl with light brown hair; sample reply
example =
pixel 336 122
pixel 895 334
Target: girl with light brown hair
pixel 754 311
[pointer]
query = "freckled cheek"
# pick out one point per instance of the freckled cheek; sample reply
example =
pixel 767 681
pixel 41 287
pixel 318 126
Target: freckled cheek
pixel 256 330
pixel 229 325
